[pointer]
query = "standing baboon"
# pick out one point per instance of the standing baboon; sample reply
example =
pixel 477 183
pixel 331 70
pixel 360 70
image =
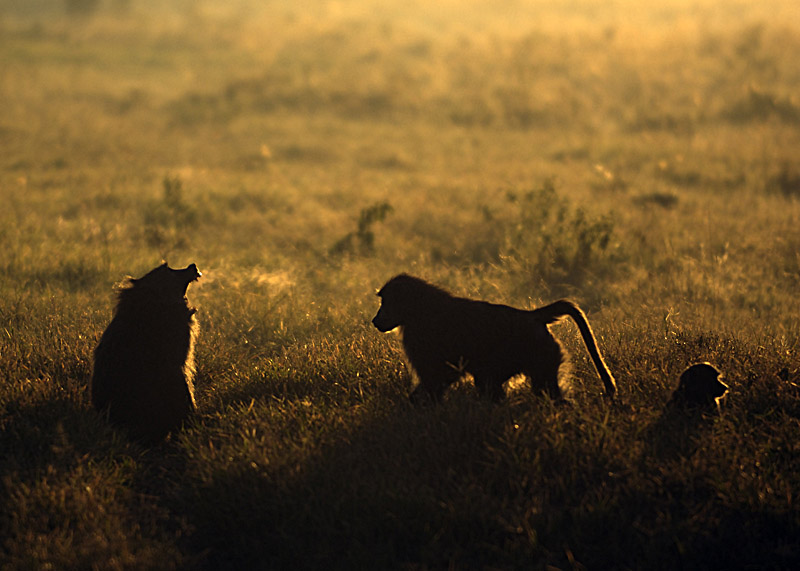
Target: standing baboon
pixel 699 387
pixel 144 363
pixel 445 337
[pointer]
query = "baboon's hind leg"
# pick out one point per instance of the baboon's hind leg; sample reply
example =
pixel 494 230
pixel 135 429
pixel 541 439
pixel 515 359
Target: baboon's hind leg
pixel 544 367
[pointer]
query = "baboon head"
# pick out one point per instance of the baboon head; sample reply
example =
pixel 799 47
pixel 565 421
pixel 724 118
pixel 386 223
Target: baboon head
pixel 389 313
pixel 166 282
pixel 402 297
pixel 700 385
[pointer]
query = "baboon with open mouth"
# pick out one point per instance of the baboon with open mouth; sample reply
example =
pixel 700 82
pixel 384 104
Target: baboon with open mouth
pixel 144 363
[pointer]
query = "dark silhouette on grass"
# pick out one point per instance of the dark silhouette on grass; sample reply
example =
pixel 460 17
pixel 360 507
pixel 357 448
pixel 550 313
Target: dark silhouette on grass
pixel 688 414
pixel 446 337
pixel 144 363
pixel 699 387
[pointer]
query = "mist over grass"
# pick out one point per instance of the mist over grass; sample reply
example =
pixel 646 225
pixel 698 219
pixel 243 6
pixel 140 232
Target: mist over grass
pixel 641 160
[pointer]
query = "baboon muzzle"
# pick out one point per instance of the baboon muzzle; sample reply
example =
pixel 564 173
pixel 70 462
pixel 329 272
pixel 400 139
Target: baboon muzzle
pixel 187 275
pixel 190 273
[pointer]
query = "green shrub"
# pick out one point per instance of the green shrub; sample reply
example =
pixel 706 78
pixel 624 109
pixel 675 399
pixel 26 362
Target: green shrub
pixel 548 241
pixel 362 240
pixel 168 220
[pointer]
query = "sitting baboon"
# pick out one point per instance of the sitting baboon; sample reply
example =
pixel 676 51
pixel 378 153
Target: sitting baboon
pixel 446 337
pixel 144 363
pixel 699 387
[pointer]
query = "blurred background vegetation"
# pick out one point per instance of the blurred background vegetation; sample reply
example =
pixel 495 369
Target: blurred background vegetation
pixel 641 159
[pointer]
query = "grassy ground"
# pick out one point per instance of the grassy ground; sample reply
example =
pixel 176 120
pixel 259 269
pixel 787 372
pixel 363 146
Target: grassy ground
pixel 640 160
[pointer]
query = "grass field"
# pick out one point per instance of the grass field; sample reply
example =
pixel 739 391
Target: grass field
pixel 643 161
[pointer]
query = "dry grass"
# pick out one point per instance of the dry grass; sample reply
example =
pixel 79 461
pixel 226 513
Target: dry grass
pixel 641 160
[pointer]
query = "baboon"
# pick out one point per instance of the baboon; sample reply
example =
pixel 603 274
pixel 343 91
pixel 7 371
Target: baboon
pixel 445 337
pixel 144 362
pixel 699 387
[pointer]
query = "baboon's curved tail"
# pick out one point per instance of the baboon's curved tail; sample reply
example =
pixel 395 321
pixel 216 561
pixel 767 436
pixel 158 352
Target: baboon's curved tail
pixel 555 311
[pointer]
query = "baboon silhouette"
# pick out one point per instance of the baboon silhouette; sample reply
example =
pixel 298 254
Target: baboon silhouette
pixel 445 337
pixel 699 387
pixel 687 416
pixel 144 362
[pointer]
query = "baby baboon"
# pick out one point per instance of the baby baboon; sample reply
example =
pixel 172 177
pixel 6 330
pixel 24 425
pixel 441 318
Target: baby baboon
pixel 144 363
pixel 445 337
pixel 699 387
